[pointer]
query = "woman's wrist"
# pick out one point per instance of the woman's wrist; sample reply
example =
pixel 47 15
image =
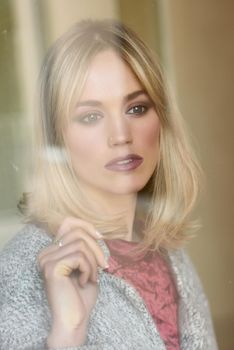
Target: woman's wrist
pixel 58 337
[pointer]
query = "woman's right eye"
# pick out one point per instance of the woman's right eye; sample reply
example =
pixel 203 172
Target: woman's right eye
pixel 90 118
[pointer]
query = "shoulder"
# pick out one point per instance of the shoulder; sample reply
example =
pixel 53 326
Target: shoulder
pixel 182 265
pixel 195 319
pixel 30 236
pixel 186 276
pixel 23 247
pixel 23 307
pixel 18 260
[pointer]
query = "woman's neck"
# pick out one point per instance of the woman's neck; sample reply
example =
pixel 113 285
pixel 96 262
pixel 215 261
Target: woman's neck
pixel 112 204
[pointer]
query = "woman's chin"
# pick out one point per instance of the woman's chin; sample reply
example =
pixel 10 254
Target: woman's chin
pixel 127 189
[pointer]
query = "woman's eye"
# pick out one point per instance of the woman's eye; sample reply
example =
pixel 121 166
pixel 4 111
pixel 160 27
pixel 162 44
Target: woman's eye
pixel 90 118
pixel 138 110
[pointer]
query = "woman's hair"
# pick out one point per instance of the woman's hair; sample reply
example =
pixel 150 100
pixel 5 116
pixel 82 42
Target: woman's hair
pixel 167 199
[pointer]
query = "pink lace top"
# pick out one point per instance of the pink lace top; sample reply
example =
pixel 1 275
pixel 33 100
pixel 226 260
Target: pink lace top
pixel 150 275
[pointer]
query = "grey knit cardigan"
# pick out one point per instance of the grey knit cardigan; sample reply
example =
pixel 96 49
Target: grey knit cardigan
pixel 119 320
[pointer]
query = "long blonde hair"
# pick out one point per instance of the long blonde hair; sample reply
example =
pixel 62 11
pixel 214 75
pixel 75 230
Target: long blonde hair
pixel 167 199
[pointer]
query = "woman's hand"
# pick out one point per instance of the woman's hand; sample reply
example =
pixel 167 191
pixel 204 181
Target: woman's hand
pixel 70 272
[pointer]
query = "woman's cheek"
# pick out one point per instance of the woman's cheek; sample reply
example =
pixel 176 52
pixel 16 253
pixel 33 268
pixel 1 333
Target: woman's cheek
pixel 150 133
pixel 80 144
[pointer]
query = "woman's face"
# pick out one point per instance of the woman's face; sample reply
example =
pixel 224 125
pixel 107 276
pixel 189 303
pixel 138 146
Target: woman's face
pixel 113 133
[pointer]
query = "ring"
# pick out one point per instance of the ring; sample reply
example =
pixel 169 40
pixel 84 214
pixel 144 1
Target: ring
pixel 58 242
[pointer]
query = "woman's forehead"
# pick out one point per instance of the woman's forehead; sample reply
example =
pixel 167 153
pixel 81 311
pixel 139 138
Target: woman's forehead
pixel 109 75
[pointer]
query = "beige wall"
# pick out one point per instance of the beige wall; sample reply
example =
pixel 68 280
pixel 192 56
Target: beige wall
pixel 61 14
pixel 201 35
pixel 143 17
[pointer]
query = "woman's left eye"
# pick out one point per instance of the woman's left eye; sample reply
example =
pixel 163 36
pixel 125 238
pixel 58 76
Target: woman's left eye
pixel 138 110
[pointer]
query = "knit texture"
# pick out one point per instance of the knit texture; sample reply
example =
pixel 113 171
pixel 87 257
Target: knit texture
pixel 119 320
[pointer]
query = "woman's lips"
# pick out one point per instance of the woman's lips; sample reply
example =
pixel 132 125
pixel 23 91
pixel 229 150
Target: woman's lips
pixel 128 163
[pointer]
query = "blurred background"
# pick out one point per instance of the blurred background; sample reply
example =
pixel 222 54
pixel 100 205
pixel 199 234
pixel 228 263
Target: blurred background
pixel 195 40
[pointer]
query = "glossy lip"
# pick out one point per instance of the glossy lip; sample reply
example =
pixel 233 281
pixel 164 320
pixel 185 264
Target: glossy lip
pixel 127 163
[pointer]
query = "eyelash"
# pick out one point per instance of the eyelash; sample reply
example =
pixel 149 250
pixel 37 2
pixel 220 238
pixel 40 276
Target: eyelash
pixel 87 118
pixel 142 112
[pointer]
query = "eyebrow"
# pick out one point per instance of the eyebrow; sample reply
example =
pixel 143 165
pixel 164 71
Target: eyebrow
pixel 127 98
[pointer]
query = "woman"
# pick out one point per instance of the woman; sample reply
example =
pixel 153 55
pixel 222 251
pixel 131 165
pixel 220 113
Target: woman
pixel 100 264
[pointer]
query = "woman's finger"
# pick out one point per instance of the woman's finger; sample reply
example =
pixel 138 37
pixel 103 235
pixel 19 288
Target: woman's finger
pixel 55 269
pixel 84 240
pixel 78 233
pixel 75 247
pixel 70 223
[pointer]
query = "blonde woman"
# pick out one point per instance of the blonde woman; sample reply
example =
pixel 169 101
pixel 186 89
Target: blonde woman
pixel 100 264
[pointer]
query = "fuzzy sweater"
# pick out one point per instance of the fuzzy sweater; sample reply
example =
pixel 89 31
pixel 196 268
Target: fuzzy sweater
pixel 119 320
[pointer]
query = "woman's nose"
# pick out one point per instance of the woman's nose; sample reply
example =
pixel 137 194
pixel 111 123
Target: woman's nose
pixel 119 132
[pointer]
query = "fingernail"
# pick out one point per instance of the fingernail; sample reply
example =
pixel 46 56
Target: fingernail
pixel 106 266
pixel 99 235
